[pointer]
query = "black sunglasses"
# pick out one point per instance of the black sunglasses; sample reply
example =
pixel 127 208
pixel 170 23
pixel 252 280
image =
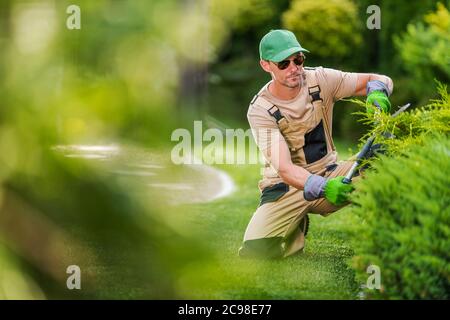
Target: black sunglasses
pixel 298 60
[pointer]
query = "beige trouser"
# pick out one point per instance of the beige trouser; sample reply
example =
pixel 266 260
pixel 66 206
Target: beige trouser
pixel 277 227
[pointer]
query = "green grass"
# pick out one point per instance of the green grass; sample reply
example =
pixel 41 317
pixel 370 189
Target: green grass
pixel 320 272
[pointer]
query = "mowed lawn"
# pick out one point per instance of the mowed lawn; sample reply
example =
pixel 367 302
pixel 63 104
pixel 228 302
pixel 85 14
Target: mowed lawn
pixel 321 271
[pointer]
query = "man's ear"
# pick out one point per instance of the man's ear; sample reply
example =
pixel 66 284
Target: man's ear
pixel 265 65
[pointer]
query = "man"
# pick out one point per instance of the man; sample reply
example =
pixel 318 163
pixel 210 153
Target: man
pixel 291 119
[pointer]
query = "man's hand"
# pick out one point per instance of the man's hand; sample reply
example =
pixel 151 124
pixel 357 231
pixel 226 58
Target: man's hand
pixel 334 190
pixel 377 95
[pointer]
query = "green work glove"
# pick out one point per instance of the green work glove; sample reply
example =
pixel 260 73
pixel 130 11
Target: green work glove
pixel 336 191
pixel 377 95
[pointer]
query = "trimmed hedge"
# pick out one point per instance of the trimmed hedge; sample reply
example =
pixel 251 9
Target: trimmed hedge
pixel 405 205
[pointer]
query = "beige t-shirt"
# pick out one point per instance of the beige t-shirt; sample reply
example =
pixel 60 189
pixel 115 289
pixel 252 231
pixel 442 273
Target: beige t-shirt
pixel 334 85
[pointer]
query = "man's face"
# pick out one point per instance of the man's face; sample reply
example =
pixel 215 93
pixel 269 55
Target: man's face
pixel 287 72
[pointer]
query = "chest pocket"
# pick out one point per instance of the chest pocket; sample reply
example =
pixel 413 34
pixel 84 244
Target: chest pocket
pixel 315 147
pixel 305 137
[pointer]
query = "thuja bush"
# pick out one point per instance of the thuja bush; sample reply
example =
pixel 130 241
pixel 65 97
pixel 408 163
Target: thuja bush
pixel 404 205
pixel 411 127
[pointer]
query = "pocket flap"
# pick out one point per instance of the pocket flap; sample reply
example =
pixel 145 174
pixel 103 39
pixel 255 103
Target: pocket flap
pixel 273 193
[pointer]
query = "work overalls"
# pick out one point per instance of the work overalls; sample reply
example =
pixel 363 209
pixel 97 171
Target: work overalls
pixel 279 225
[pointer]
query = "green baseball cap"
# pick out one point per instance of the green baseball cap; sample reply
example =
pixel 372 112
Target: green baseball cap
pixel 279 44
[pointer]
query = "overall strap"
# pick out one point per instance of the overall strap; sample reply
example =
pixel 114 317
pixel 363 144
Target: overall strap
pixel 315 91
pixel 313 86
pixel 272 109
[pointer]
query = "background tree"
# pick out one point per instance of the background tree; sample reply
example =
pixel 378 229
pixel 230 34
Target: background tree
pixel 424 51
pixel 329 29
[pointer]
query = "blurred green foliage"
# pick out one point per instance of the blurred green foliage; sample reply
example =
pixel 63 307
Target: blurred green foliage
pixel 115 80
pixel 329 29
pixel 254 13
pixel 424 49
pixel 395 16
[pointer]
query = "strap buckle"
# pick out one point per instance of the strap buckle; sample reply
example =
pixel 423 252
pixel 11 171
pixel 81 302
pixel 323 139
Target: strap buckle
pixel 276 114
pixel 314 92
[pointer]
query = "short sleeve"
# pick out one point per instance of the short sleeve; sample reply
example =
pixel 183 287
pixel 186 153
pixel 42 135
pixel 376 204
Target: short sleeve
pixel 338 84
pixel 265 130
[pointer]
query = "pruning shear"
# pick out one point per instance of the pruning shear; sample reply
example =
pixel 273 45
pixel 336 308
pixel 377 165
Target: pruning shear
pixel 366 148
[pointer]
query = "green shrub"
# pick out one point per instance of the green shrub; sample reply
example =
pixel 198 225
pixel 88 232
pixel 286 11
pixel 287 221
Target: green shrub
pixel 424 50
pixel 404 203
pixel 412 127
pixel 254 13
pixel 329 29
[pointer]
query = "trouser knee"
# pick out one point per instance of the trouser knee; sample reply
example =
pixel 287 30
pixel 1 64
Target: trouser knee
pixel 264 248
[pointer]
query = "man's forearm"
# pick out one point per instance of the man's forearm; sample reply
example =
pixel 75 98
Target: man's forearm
pixel 364 78
pixel 294 176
